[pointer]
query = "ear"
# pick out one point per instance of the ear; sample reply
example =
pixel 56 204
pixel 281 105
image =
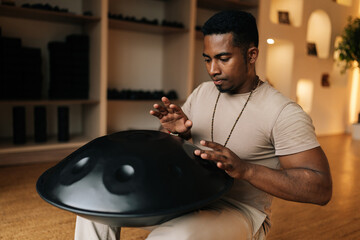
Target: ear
pixel 252 54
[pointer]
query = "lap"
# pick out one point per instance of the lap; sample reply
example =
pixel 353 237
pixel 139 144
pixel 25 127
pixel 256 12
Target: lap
pixel 220 221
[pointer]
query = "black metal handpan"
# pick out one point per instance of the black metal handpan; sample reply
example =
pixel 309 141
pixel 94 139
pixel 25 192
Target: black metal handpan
pixel 133 178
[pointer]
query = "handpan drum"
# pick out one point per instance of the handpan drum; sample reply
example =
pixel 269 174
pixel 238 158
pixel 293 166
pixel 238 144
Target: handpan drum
pixel 133 178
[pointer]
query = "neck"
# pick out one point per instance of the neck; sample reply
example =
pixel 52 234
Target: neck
pixel 247 86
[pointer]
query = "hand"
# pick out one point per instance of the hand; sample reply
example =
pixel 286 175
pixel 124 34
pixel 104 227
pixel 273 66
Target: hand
pixel 171 117
pixel 225 159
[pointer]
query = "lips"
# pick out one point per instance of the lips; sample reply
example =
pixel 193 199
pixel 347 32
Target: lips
pixel 218 82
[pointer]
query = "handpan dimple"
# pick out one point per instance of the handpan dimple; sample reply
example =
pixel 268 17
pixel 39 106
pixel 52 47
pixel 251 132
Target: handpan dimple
pixel 124 173
pixel 80 165
pixel 133 178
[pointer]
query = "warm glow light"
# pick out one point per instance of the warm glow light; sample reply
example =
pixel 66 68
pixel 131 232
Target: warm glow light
pixel 345 2
pixel 304 94
pixel 270 41
pixel 354 94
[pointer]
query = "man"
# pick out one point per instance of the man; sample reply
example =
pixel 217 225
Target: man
pixel 263 140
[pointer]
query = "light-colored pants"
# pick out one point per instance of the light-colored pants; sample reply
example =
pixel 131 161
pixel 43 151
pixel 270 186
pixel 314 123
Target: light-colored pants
pixel 221 221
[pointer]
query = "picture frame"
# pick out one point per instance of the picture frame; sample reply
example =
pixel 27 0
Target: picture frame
pixel 311 49
pixel 283 17
pixel 325 80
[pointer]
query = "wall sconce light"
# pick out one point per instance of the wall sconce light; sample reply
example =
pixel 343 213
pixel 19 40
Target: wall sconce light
pixel 270 41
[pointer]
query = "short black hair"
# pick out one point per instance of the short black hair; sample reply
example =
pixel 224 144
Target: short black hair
pixel 241 24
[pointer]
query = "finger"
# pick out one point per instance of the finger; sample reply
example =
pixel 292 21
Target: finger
pixel 188 124
pixel 224 166
pixel 156 114
pixel 161 109
pixel 167 104
pixel 176 109
pixel 213 145
pixel 210 155
pixel 201 153
pixel 165 100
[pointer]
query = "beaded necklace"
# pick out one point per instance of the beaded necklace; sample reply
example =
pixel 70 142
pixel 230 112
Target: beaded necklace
pixel 237 119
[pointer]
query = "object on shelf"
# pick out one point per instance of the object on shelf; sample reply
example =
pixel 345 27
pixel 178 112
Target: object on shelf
pixel 20 70
pixel 63 124
pixel 19 125
pixel 145 20
pixel 88 13
pixel 283 17
pixel 325 80
pixel 172 24
pixel 8 2
pixel 40 124
pixel 69 68
pixel 46 7
pixel 311 49
pixel 198 28
pixel 140 94
pixel 133 19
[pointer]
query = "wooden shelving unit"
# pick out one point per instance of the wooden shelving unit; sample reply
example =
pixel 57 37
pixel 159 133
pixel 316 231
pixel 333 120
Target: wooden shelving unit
pixel 43 15
pixel 7 147
pixel 47 102
pixel 88 117
pixel 117 52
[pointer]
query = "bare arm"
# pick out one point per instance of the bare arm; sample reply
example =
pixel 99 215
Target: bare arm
pixel 303 177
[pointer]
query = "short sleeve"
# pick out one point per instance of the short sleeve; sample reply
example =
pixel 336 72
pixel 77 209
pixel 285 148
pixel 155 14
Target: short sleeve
pixel 186 107
pixel 293 131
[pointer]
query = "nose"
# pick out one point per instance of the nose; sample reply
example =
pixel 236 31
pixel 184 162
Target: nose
pixel 214 69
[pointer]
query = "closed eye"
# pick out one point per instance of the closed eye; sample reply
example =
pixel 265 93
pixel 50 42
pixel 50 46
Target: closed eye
pixel 224 59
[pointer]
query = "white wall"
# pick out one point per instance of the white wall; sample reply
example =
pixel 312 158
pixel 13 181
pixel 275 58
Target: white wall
pixel 330 105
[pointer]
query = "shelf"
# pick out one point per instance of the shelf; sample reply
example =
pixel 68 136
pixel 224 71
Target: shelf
pixel 47 102
pixel 51 16
pixel 141 27
pixel 226 4
pixel 114 101
pixel 7 147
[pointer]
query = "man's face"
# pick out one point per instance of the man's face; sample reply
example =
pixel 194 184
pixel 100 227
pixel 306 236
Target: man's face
pixel 225 63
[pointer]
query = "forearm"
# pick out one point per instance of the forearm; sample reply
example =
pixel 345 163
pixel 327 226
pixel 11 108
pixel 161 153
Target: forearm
pixel 295 184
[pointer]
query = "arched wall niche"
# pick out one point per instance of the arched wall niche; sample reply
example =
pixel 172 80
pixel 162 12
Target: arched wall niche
pixel 319 32
pixel 279 65
pixel 304 94
pixel 293 7
pixel 347 3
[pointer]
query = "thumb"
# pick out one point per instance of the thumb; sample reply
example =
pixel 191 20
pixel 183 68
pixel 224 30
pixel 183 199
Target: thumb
pixel 188 123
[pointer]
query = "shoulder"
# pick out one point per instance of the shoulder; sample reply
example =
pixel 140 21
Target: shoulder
pixel 269 102
pixel 272 96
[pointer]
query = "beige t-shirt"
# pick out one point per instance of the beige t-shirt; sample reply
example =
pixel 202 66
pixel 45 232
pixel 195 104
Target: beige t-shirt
pixel 271 125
